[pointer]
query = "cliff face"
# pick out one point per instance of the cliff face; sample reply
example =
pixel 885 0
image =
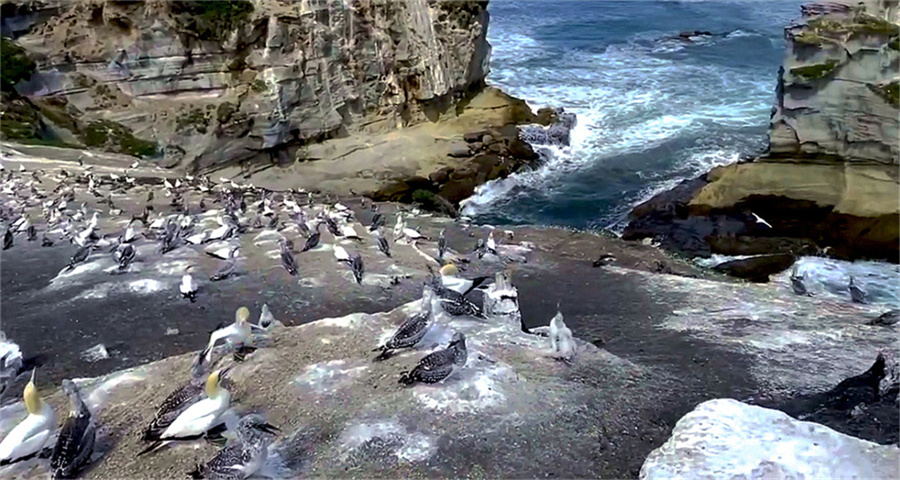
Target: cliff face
pixel 838 91
pixel 209 83
pixel 830 181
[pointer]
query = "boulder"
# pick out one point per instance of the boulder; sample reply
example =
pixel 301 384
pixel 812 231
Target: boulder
pixel 473 137
pixel 520 149
pixel 758 268
pixel 401 190
pixel 441 175
pixel 459 150
pixel 724 438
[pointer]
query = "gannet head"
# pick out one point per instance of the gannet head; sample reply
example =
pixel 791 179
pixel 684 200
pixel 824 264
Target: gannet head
pixel 242 315
pixel 33 401
pixel 449 270
pixel 557 321
pixel 214 382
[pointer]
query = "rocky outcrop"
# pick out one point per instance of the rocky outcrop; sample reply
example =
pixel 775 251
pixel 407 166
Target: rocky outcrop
pixel 202 84
pixel 829 183
pixel 728 439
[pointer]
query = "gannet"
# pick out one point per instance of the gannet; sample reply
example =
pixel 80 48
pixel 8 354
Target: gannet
pixel 11 361
pixel 8 239
pixel 347 231
pixel 383 244
pixel 243 458
pixel 438 365
pixel 411 330
pixel 450 279
pixel 857 293
pixel 331 225
pixel 442 246
pixel 179 400
pixel 562 344
pixel 797 282
pixel 356 265
pixel 887 318
pixel 199 417
pixel 188 287
pixel 75 442
pixel 341 255
pixel 136 164
pixel 125 254
pixel 313 240
pixel 227 267
pixel 128 236
pixel 287 258
pixel 31 435
pixel 235 335
pixel 453 302
pixel 80 256
pixel 266 319
pixel 759 220
pixel 480 248
pixel 491 245
pixel 377 219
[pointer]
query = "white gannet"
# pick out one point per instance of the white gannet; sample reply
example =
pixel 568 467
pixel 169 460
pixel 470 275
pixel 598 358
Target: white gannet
pixel 450 279
pixel 128 237
pixel 235 335
pixel 179 400
pixel 411 331
pixel 562 344
pixel 759 220
pixel 453 302
pixel 491 244
pixel 438 365
pixel 11 361
pixel 198 418
pixel 188 287
pixel 75 442
pixel 347 231
pixel 244 457
pixel 857 293
pixel 31 435
pixel 341 255
pixel 266 319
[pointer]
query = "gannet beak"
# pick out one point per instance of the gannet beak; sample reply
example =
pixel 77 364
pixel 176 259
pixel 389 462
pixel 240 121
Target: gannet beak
pixel 33 370
pixel 268 428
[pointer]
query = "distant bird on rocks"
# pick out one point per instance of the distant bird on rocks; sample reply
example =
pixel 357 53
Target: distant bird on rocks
pixel 313 240
pixel 442 246
pixel 383 244
pixel 480 248
pixel 266 319
pixel 377 219
pixel 438 365
pixel 857 293
pixel 356 265
pixel 80 255
pixel 200 417
pixel 188 286
pixel 227 267
pixel 562 343
pixel 287 258
pixel 8 239
pixel 243 458
pixel 797 283
pixel 75 442
pixel 491 244
pixel 341 255
pixel 887 318
pixel 125 255
pixel 450 279
pixel 604 260
pixel 237 335
pixel 32 434
pixel 411 331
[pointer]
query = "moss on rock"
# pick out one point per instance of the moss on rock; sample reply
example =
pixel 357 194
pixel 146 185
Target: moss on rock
pixel 15 65
pixel 212 19
pixel 890 92
pixel 816 71
pixel 196 119
pixel 116 137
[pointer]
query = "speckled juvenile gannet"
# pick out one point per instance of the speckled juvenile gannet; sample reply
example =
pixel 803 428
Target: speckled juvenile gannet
pixel 313 240
pixel 287 258
pixel 383 244
pixel 32 434
pixel 453 302
pixel 438 365
pixel 857 293
pixel 450 279
pixel 200 417
pixel 76 437
pixel 243 458
pixel 179 400
pixel 411 330
pixel 235 335
pixel 357 267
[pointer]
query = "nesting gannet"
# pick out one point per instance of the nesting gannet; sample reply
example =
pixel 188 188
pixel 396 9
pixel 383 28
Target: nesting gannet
pixel 199 417
pixel 31 435
pixel 341 255
pixel 438 365
pixel 266 319
pixel 442 246
pixel 75 442
pixel 453 302
pixel 124 255
pixel 758 219
pixel 80 256
pixel 491 244
pixel 287 258
pixel 857 293
pixel 411 330
pixel 179 400
pixel 313 240
pixel 243 458
pixel 227 267
pixel 331 225
pixel 188 287
pixel 562 344
pixel 797 282
pixel 235 335
pixel 128 236
pixel 377 219
pixel 450 279
pixel 480 248
pixel 356 265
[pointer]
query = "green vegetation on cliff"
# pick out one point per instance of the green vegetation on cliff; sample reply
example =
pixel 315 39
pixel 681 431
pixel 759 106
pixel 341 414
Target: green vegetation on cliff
pixel 890 92
pixel 212 19
pixel 117 137
pixel 816 71
pixel 14 64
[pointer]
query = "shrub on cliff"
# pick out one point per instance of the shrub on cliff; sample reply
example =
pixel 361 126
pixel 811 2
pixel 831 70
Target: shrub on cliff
pixel 14 65
pixel 212 19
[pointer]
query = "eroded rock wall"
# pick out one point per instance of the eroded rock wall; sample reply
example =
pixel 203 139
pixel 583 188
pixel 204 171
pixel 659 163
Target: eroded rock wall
pixel 210 83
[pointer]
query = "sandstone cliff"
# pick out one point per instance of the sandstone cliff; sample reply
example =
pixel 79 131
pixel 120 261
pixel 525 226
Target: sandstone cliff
pixel 830 181
pixel 206 83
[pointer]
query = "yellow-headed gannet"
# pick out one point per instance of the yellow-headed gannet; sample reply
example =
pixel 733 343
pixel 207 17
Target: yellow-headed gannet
pixel 31 435
pixel 450 279
pixel 235 335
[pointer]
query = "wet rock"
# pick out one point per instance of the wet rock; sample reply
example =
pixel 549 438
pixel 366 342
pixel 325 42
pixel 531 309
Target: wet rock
pixel 726 438
pixel 758 268
pixel 520 149
pixel 401 190
pixel 441 175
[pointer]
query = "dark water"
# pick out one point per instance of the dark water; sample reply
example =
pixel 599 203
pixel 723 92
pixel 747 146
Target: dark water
pixel 652 109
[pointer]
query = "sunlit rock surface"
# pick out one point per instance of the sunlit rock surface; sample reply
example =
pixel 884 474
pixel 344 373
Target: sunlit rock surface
pixel 729 439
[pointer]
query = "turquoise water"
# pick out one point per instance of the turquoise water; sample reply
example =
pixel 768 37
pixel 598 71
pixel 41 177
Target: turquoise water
pixel 652 109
